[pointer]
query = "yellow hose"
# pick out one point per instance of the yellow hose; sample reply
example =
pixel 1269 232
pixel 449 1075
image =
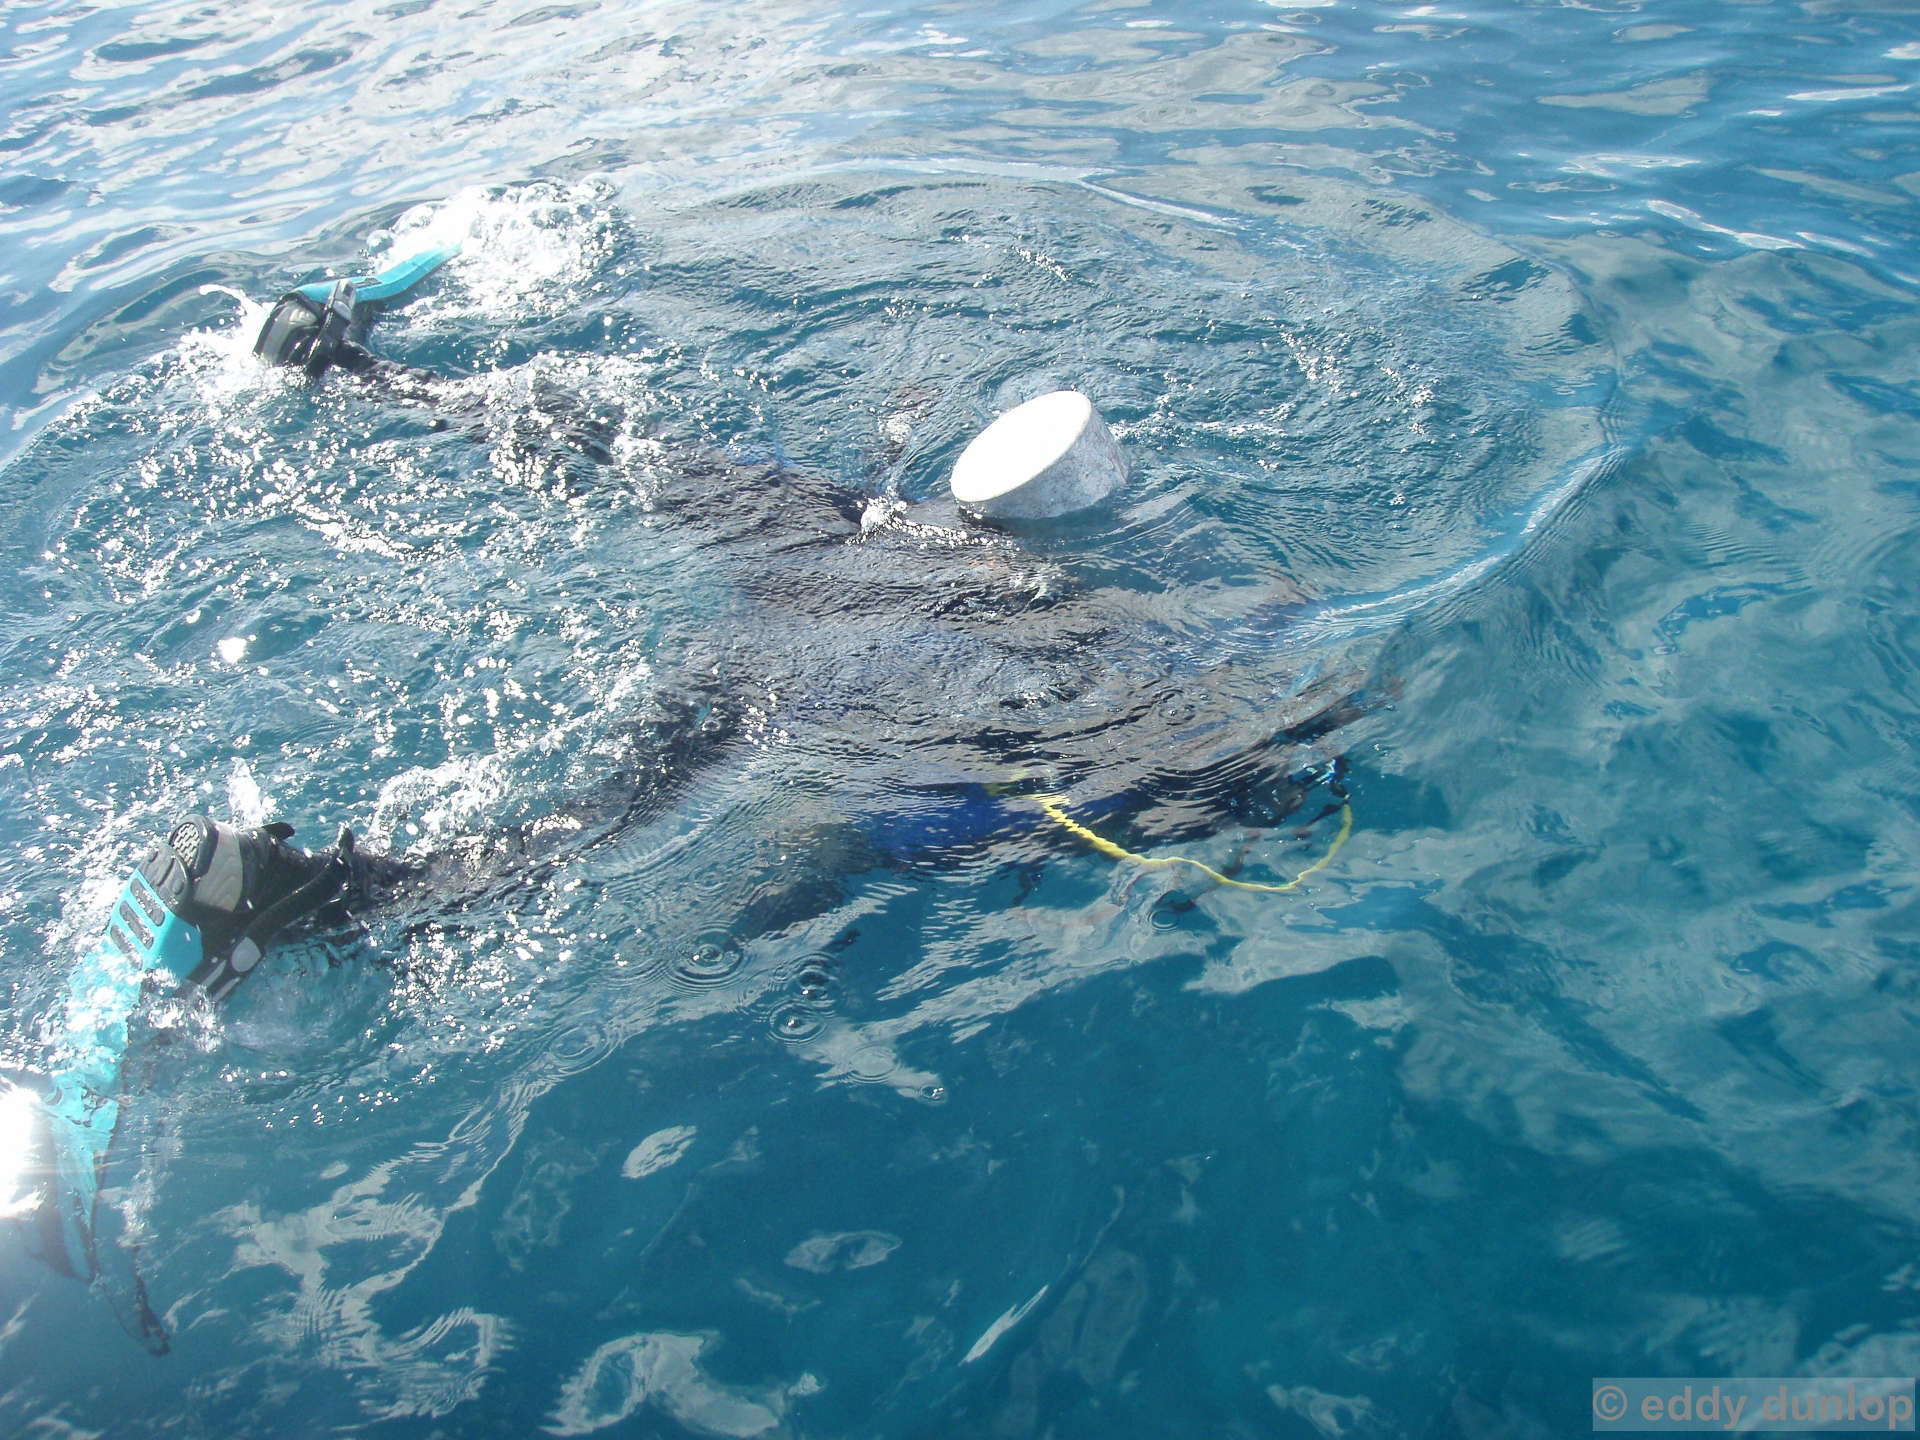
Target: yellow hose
pixel 1055 808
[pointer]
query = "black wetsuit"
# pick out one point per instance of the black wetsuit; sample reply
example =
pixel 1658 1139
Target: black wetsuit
pixel 936 656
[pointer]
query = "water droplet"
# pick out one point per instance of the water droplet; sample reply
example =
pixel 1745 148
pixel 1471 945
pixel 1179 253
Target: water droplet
pixel 710 959
pixel 575 1048
pixel 794 1023
pixel 815 981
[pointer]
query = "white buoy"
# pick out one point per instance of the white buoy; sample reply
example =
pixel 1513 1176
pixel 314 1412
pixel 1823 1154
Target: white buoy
pixel 1050 456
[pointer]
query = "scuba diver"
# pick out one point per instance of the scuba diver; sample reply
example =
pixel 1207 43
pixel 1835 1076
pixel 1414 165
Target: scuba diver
pixel 1157 750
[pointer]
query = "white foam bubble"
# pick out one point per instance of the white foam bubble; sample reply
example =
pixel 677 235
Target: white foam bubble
pixel 219 361
pixel 527 248
pixel 432 802
pixel 246 804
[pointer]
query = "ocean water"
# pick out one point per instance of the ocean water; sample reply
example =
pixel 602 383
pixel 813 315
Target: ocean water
pixel 1524 419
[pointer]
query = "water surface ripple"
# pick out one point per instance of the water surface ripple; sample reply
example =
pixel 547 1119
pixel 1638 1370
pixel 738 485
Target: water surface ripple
pixel 1523 420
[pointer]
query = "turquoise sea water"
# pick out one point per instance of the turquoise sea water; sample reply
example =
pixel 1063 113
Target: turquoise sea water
pixel 1533 384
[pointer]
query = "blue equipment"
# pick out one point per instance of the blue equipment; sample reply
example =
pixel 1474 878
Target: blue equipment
pixel 194 918
pixel 323 323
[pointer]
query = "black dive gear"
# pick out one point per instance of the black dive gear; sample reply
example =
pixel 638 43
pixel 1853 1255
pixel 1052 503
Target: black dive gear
pixel 322 324
pixel 238 888
pixel 313 334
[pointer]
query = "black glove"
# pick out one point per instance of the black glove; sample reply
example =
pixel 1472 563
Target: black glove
pixel 239 887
